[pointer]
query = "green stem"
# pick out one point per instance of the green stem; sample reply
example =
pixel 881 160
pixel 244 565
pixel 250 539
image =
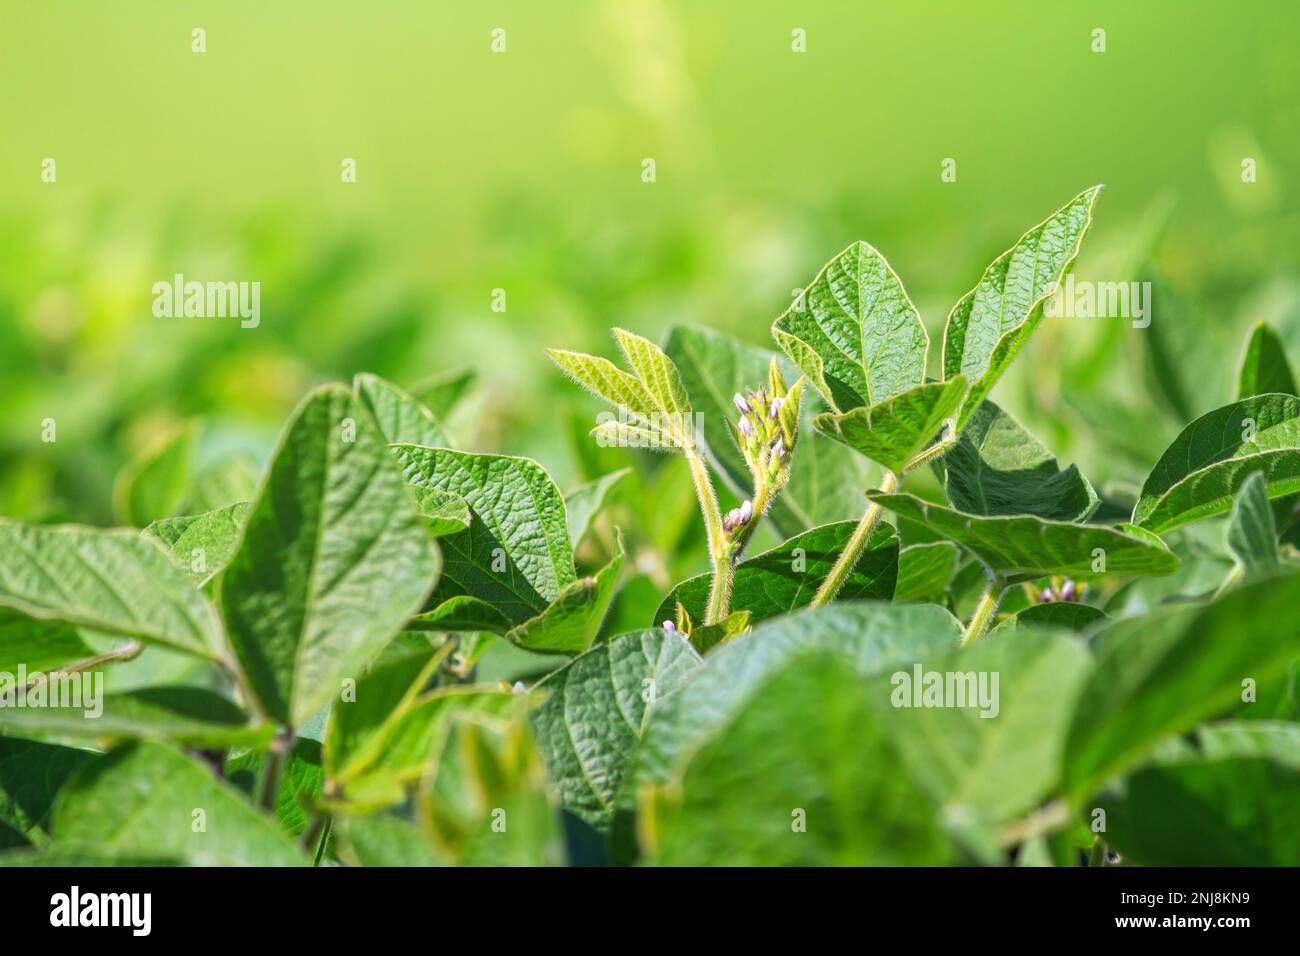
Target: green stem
pixel 272 767
pixel 984 611
pixel 937 450
pixel 848 558
pixel 1097 854
pixel 720 591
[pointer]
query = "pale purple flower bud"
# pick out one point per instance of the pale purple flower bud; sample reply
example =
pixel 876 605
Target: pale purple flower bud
pixel 519 687
pixel 670 626
pixel 775 408
pixel 746 511
pixel 778 447
pixel 1067 591
pixel 1048 596
pixel 742 406
pixel 746 427
pixel 738 517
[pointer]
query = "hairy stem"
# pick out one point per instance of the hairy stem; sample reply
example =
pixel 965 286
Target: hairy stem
pixel 720 591
pixel 984 611
pixel 937 450
pixel 848 558
pixel 124 653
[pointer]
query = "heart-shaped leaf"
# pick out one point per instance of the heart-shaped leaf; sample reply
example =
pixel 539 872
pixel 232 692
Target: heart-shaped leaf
pixel 1163 673
pixel 116 581
pixel 854 332
pixel 788 576
pixel 988 326
pixel 894 431
pixel 998 468
pixel 1264 366
pixel 1024 547
pixel 1200 473
pixel 333 561
pixel 596 709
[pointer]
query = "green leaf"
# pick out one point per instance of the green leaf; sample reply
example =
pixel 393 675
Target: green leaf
pixel 333 561
pixel 924 572
pixel 31 774
pixel 804 773
pixel 988 326
pixel 573 619
pixel 705 637
pixel 998 468
pixel 997 753
pixel 788 576
pixel 871 636
pixel 515 555
pixel 301 780
pixel 190 715
pixel 382 840
pixel 1264 365
pixel 154 482
pixel 1200 473
pixel 116 581
pixel 443 512
pixel 202 544
pixel 1066 615
pixel 897 429
pixel 1161 674
pixel 400 417
pixel 442 392
pixel 359 723
pixel 607 381
pixel 1252 535
pixel 227 480
pixel 826 479
pixel 854 332
pixel 489 772
pixel 1184 352
pixel 1024 547
pixel 1230 805
pixel 596 709
pixel 461 613
pixel 586 501
pixel 144 800
pixel 657 372
pixel 38 645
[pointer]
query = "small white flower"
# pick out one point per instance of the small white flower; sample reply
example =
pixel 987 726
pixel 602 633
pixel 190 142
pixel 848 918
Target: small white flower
pixel 742 406
pixel 669 626
pixel 519 687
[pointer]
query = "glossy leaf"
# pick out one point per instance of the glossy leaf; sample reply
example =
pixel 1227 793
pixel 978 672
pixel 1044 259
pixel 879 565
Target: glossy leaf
pixel 1201 472
pixel 998 468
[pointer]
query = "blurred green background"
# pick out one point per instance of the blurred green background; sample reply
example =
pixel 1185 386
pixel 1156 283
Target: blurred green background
pixel 522 171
